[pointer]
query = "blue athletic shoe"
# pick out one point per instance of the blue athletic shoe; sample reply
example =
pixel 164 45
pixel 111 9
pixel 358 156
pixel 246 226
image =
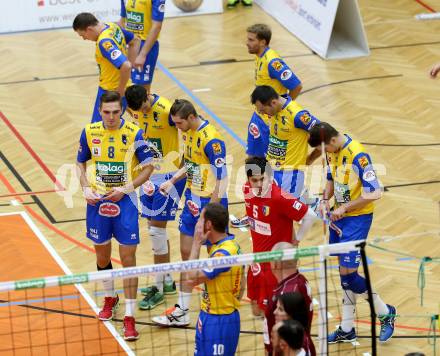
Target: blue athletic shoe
pixel 341 336
pixel 387 324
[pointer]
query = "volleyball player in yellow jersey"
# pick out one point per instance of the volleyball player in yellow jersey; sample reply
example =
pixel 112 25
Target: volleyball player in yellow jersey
pixel 116 150
pixel 218 325
pixel 352 181
pixel 270 69
pixel 152 112
pixel 111 54
pixel 144 18
pixel 206 181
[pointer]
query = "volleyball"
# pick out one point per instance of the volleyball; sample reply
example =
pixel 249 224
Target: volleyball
pixel 188 5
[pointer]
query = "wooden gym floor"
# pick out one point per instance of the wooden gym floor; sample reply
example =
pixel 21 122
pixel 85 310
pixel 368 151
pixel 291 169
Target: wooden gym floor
pixel 48 84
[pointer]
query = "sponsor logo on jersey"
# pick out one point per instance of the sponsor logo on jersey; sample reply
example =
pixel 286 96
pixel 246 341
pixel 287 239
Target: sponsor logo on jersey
pixel 219 162
pixel 363 161
pixel 297 205
pixel 369 176
pixel 305 118
pixel 109 210
pixel 217 148
pixel 115 54
pixel 96 141
pixel 286 74
pixel 96 151
pixel 193 208
pixel 254 130
pixel 266 210
pixel 260 227
pixel 277 65
pixel 107 45
pixel 110 167
pixel 255 269
pixel 135 16
pixel 124 139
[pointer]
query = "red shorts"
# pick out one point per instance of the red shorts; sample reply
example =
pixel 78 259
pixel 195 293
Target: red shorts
pixel 260 283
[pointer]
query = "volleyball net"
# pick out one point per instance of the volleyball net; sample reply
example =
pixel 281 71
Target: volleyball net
pixel 58 315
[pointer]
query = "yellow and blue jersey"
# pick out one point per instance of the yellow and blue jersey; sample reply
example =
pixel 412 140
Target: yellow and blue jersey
pixel 115 154
pixel 222 290
pixel 270 69
pixel 204 159
pixel 110 54
pixel 352 173
pixel 139 14
pixel 160 131
pixel 288 139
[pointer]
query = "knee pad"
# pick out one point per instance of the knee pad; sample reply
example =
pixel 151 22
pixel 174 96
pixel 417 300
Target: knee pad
pixel 159 240
pixel 354 282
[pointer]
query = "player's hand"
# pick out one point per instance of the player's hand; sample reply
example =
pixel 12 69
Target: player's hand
pixel 338 213
pixel 166 187
pixel 115 194
pixel 200 236
pixel 139 63
pixel 434 70
pixel 91 197
pixel 324 208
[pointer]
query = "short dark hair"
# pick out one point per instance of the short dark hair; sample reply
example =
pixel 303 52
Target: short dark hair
pixel 84 20
pixel 110 97
pixel 136 95
pixel 264 94
pixel 292 332
pixel 182 108
pixel 295 306
pixel 256 166
pixel 262 31
pixel 322 132
pixel 218 215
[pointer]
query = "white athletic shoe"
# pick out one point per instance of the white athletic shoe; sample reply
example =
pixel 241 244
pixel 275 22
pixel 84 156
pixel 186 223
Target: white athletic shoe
pixel 174 316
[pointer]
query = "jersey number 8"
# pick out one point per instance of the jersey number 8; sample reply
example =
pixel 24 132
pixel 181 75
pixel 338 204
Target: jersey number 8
pixel 111 152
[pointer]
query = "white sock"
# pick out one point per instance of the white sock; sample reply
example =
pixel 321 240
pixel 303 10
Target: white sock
pixel 379 305
pixel 109 288
pixel 129 306
pixel 184 300
pixel 348 310
pixel 159 281
pixel 168 278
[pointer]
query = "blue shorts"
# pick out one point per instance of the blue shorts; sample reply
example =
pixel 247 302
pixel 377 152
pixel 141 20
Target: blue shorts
pixel 96 116
pixel 120 220
pixel 217 334
pixel 191 211
pixel 353 228
pixel 290 181
pixel 155 205
pixel 146 76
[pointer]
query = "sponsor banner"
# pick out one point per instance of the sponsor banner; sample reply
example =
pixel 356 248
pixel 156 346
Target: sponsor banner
pixel 30 283
pixel 72 279
pixel 29 15
pixel 310 20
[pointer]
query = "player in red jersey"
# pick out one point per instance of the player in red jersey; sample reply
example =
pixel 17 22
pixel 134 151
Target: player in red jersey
pixel 291 299
pixel 271 212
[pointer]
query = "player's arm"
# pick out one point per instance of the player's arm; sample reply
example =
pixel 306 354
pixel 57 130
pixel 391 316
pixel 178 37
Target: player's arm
pixel 280 71
pixel 133 45
pixel 113 54
pixel 123 15
pixel 371 189
pixel 255 145
pixel 157 15
pixel 168 185
pixel 83 156
pixel 242 284
pixel 215 150
pixel 305 121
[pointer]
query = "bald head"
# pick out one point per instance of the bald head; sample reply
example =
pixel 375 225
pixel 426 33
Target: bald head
pixel 283 269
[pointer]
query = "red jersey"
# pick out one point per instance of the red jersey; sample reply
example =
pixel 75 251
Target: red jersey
pixel 294 283
pixel 271 216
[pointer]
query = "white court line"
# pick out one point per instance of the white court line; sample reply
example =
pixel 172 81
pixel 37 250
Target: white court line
pixel 15 202
pixel 66 270
pixel 200 90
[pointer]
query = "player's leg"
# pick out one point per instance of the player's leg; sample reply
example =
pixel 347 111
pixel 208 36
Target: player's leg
pixel 354 285
pixel 260 285
pixel 126 231
pixel 99 232
pixel 145 75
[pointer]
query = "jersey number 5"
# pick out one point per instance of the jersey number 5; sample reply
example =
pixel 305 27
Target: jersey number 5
pixel 255 211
